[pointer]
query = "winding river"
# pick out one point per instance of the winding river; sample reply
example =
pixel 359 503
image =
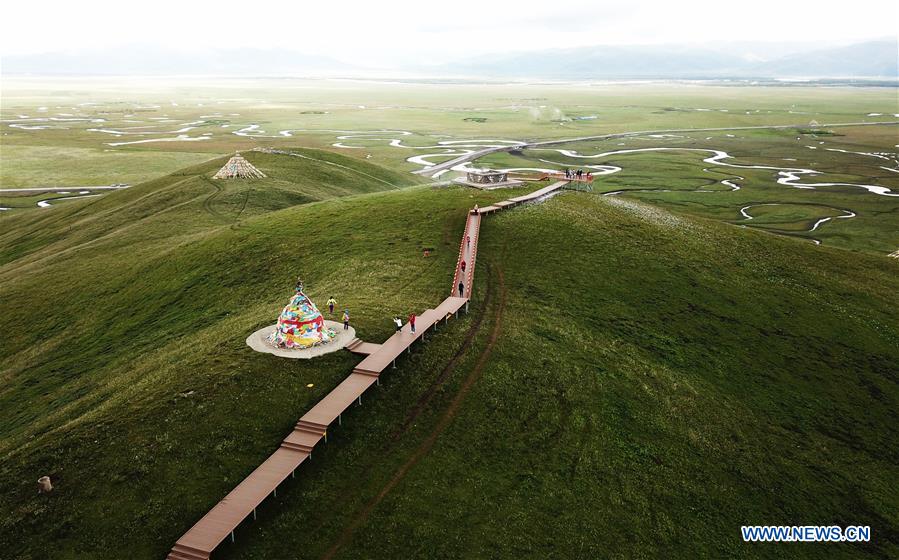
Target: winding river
pixel 449 149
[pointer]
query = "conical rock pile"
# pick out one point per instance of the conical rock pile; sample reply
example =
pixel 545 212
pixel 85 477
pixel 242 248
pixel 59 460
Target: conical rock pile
pixel 238 167
pixel 300 325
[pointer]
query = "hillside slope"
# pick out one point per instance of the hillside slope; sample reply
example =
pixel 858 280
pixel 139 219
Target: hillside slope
pixel 190 201
pixel 124 367
pixel 641 386
pixel 630 383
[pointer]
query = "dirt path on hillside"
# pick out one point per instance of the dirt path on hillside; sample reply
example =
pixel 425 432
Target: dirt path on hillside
pixel 423 399
pixel 425 447
pixel 447 370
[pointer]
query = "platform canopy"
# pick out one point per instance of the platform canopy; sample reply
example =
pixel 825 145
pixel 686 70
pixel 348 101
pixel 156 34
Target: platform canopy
pixel 487 176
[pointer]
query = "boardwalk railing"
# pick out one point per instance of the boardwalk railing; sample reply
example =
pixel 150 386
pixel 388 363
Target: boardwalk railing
pixel 221 521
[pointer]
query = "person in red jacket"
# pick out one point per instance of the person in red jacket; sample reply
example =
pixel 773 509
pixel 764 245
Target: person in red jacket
pixel 412 322
pixel 463 266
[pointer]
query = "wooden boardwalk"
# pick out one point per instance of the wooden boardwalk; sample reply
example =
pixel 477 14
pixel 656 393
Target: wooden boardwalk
pixel 221 521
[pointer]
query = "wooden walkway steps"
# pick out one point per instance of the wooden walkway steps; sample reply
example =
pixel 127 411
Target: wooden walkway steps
pixel 496 207
pixel 357 346
pixel 468 249
pixel 221 521
pixel 450 306
pixel 215 526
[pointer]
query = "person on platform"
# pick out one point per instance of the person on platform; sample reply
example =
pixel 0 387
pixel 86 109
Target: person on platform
pixel 412 322
pixel 463 266
pixel 346 319
pixel 398 324
pixel 331 303
pixel 461 288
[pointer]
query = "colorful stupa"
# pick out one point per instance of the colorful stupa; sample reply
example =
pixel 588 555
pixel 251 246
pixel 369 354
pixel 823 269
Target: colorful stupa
pixel 300 325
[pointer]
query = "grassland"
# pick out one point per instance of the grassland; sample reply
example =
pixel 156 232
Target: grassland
pixel 313 109
pixel 680 181
pixel 630 382
pixel 88 143
pixel 37 166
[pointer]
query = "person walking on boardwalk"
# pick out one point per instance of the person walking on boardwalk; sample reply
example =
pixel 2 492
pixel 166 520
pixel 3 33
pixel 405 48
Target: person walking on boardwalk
pixel 476 209
pixel 346 319
pixel 398 323
pixel 299 285
pixel 331 303
pixel 463 265
pixel 412 322
pixel 461 288
pixel 468 240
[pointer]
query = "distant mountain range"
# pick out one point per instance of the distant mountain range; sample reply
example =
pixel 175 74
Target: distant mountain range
pixel 873 59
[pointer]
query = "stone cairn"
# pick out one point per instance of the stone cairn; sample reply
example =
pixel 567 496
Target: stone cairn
pixel 238 167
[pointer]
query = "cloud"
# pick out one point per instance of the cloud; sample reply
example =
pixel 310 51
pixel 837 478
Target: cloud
pixel 382 33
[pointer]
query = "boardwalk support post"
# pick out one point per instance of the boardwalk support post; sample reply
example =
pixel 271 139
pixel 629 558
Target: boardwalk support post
pixel 340 419
pixel 394 363
pixel 254 514
pixel 378 380
pixel 360 400
pixel 232 536
pixel 276 492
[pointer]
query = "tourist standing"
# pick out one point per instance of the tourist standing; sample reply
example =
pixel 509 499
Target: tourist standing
pixel 461 288
pixel 412 322
pixel 331 303
pixel 346 319
pixel 299 285
pixel 398 324
pixel 463 266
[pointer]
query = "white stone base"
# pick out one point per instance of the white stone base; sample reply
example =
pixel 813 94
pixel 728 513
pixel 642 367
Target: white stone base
pixel 258 341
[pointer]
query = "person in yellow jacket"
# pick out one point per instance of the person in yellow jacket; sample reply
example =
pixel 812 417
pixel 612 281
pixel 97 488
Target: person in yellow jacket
pixel 331 303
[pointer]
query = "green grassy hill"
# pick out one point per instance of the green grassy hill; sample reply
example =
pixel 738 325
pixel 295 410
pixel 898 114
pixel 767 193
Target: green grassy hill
pixel 630 383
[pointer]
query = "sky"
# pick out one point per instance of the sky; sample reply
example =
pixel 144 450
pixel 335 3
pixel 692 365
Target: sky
pixel 419 32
